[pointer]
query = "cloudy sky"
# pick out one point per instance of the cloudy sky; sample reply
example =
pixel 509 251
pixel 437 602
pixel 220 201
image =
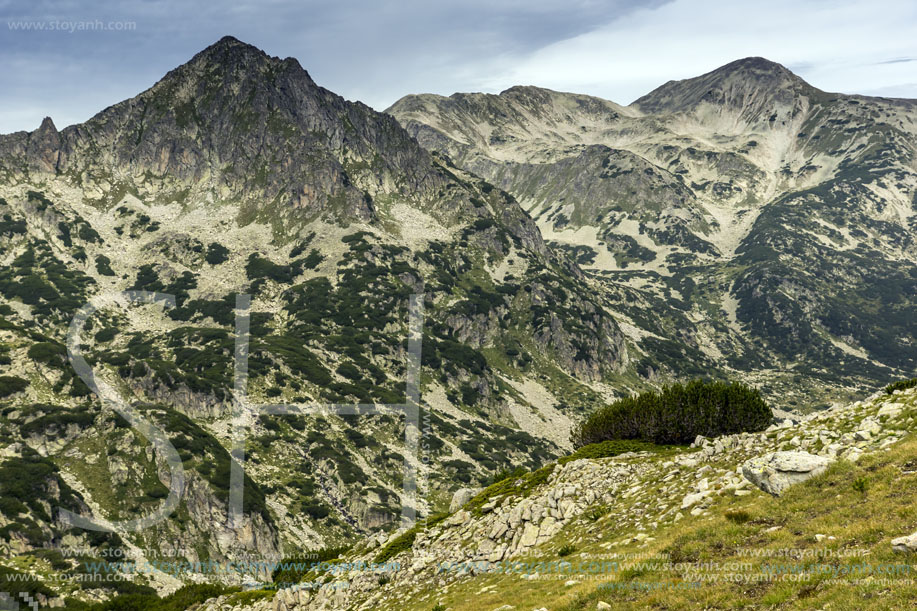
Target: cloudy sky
pixel 69 59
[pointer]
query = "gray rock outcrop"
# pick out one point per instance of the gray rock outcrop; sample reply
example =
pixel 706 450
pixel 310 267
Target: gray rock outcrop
pixel 775 472
pixel 462 496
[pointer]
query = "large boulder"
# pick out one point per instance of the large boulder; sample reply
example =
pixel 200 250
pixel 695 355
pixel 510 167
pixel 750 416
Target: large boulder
pixel 906 544
pixel 774 473
pixel 462 496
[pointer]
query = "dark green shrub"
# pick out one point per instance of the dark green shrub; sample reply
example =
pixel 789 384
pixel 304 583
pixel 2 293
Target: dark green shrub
pixel 348 370
pixel 310 261
pixel 258 267
pixel 88 234
pixel 566 549
pixel 901 385
pixel 103 265
pixel 9 227
pixel 10 385
pixel 677 414
pixel 405 540
pixel 187 597
pixel 106 335
pixel 48 353
pixel 216 254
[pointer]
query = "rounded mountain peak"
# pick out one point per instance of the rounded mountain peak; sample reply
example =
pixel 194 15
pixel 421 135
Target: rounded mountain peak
pixel 744 83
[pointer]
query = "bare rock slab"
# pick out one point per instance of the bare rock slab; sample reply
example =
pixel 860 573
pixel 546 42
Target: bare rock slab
pixel 462 496
pixel 775 472
pixel 905 544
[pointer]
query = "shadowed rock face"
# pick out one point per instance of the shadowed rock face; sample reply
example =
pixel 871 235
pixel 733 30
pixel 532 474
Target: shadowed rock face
pixel 240 124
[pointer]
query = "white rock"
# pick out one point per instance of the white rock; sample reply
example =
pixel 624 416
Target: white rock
pixel 905 544
pixel 890 410
pixel 777 471
pixel 693 499
pixel 529 535
pixel 462 496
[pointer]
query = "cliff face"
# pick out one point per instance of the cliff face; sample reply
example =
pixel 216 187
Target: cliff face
pixel 236 124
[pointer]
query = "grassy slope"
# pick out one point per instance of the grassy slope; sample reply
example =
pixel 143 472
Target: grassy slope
pixel 830 504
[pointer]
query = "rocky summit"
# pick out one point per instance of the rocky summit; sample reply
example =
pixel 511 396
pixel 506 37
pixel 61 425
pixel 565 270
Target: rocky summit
pixel 265 348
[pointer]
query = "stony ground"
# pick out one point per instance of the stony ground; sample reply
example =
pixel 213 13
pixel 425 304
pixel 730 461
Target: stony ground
pixel 608 503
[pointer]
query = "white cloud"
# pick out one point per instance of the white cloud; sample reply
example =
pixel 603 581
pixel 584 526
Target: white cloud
pixel 837 46
pixel 377 51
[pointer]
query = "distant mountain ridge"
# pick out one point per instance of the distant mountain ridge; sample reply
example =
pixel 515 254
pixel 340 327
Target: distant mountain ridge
pixel 768 225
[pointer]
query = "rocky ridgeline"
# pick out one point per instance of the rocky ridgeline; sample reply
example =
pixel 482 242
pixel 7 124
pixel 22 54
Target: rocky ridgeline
pixel 635 493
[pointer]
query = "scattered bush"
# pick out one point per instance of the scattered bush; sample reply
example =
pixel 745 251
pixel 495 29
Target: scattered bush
pixel 216 254
pixel 677 414
pixel 106 335
pixel 738 516
pixel 405 540
pixel 187 597
pixel 10 385
pixel 259 267
pixel 901 385
pixel 49 353
pixel 103 265
pixel 511 486
pixel 296 568
pixel 566 549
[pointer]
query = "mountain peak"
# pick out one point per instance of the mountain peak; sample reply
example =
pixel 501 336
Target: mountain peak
pixel 47 126
pixel 230 41
pixel 236 120
pixel 228 68
pixel 232 54
pixel 746 83
pixel 754 63
pixel 755 70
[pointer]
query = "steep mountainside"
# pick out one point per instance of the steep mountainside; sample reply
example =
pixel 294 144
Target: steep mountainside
pixel 742 220
pixel 235 174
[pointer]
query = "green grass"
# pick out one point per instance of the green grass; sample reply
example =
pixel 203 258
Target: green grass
pixel 405 540
pixel 614 447
pixel 767 526
pixel 511 486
